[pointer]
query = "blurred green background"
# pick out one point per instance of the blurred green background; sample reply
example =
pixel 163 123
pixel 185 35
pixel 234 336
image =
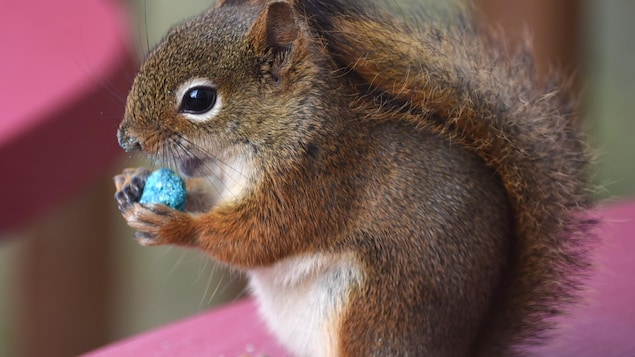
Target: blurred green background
pixel 163 284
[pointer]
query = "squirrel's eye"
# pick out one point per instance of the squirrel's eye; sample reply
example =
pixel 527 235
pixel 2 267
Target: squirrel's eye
pixel 198 100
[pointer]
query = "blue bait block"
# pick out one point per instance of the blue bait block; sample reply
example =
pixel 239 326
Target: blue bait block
pixel 166 187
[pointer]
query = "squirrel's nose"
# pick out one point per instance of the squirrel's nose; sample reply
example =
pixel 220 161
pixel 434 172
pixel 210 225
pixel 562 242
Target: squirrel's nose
pixel 126 141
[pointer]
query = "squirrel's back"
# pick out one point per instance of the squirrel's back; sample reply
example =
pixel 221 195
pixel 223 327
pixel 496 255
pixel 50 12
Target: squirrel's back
pixel 471 89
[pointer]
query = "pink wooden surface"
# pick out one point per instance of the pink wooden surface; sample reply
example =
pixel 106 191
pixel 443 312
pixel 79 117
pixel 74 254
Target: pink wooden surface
pixel 604 326
pixel 60 62
pixel 232 331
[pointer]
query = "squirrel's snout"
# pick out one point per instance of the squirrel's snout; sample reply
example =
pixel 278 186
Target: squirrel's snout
pixel 126 141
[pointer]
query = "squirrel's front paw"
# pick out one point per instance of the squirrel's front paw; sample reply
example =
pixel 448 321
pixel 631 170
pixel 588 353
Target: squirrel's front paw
pixel 129 186
pixel 155 224
pixel 158 224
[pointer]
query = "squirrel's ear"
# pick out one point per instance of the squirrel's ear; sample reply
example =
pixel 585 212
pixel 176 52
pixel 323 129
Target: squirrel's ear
pixel 276 27
pixel 221 3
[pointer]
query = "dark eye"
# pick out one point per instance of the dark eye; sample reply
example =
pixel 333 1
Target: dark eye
pixel 198 100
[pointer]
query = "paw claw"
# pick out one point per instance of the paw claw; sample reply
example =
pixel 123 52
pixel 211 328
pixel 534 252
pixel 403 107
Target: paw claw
pixel 159 209
pixel 122 203
pixel 131 193
pixel 143 236
pixel 138 182
pixel 129 186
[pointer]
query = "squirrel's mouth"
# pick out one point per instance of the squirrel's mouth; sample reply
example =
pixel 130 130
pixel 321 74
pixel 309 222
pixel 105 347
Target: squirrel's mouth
pixel 190 166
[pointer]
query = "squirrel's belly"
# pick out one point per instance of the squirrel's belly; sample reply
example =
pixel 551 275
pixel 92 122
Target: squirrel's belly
pixel 303 298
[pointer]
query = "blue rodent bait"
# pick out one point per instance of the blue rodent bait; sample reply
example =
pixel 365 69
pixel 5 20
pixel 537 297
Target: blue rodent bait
pixel 166 187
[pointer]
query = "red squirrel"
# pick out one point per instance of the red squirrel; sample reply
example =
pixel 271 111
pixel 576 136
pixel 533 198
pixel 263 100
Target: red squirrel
pixel 389 189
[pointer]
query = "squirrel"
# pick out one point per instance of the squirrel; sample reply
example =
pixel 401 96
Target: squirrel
pixel 390 189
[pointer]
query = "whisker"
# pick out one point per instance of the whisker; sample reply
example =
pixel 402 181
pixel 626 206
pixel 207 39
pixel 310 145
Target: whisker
pixel 216 289
pixel 201 270
pixel 145 22
pixel 206 170
pixel 209 154
pixel 177 147
pixel 98 76
pixel 207 288
pixel 178 262
pixel 191 150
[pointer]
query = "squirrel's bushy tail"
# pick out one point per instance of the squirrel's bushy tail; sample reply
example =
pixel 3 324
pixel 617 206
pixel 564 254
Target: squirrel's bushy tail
pixel 450 80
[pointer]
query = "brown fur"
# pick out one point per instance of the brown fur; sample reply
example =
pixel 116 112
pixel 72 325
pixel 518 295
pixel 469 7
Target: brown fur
pixel 486 98
pixel 458 183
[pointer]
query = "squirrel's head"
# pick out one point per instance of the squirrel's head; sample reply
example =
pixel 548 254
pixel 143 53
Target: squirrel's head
pixel 243 79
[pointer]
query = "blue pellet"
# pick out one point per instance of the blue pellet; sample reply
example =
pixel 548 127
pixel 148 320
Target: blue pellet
pixel 166 187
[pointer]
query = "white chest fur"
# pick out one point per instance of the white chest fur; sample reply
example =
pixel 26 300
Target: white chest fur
pixel 302 299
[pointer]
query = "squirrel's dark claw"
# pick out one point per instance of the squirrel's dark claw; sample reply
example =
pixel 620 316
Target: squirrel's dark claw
pixel 129 186
pixel 122 203
pixel 132 193
pixel 138 183
pixel 159 209
pixel 143 236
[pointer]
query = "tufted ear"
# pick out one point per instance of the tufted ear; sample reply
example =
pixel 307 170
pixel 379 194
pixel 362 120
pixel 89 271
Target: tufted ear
pixel 275 28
